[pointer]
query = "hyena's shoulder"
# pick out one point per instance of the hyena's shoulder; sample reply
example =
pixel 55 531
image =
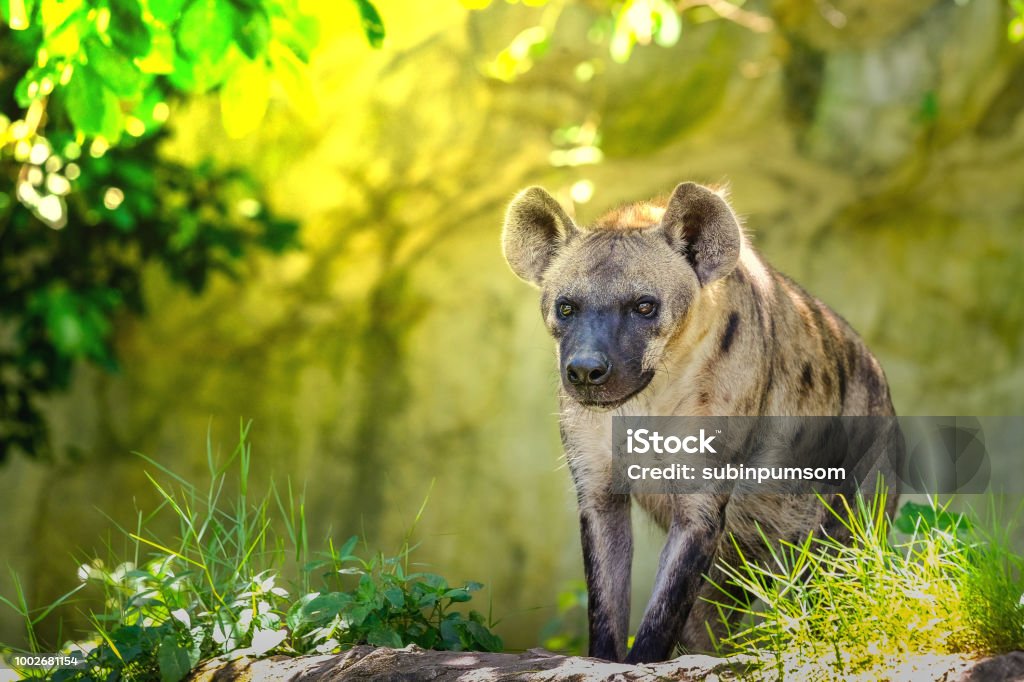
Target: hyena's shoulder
pixel 795 354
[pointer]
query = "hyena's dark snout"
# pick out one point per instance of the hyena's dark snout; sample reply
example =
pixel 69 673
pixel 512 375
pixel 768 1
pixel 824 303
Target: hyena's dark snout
pixel 588 369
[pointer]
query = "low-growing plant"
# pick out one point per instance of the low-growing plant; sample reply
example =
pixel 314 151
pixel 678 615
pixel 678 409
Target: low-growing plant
pixel 825 609
pixel 239 579
pixel 388 607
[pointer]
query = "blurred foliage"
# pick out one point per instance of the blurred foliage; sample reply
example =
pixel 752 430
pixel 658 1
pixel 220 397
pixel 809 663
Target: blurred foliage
pixel 1015 31
pixel 86 200
pixel 566 632
pixel 617 28
pixel 620 27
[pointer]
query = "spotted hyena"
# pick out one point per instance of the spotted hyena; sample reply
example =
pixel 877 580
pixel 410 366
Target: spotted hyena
pixel 665 308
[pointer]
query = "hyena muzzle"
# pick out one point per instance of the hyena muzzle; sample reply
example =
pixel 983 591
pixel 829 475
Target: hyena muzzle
pixel 664 308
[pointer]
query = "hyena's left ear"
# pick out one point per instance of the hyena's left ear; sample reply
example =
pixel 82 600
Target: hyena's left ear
pixel 535 228
pixel 700 223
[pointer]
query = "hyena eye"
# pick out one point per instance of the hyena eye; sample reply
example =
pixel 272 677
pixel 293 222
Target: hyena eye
pixel 565 309
pixel 646 307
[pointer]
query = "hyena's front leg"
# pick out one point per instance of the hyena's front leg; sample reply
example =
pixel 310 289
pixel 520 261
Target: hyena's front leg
pixel 607 539
pixel 692 541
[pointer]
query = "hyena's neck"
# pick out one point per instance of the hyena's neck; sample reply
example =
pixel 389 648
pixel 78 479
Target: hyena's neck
pixel 720 362
pixel 764 346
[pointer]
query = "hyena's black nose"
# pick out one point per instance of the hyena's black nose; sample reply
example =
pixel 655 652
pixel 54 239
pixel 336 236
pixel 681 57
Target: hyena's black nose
pixel 590 368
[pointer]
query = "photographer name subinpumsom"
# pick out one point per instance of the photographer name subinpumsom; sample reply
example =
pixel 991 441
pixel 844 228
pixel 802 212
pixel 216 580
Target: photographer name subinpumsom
pixel 733 472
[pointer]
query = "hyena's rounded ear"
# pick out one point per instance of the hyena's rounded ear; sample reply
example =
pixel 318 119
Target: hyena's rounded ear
pixel 535 228
pixel 700 223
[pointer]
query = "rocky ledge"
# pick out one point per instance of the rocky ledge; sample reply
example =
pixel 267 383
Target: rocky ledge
pixel 415 664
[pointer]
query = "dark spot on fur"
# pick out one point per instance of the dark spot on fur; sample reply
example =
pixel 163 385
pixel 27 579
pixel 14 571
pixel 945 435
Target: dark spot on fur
pixel 807 378
pixel 852 355
pixel 826 380
pixel 841 373
pixel 730 331
pixel 704 397
pixel 878 392
pixel 873 383
pixel 755 295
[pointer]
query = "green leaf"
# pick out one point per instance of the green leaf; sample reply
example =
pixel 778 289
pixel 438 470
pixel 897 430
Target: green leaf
pixel 434 581
pixel 451 635
pixel 173 660
pixel 487 640
pixel 458 595
pixel 252 33
pixel 299 613
pixel 203 73
pixel 357 615
pixel 243 99
pixel 395 596
pixel 915 516
pixel 321 608
pixel 166 11
pixel 129 640
pixel 346 550
pixel 94 110
pixel 367 590
pixel 204 31
pixel 117 71
pixel 372 24
pixel 127 30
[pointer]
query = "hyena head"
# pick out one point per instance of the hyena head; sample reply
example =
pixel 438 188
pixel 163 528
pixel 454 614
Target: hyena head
pixel 613 295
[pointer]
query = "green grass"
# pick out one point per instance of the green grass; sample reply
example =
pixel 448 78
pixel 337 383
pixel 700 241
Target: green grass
pixel 823 609
pixel 220 587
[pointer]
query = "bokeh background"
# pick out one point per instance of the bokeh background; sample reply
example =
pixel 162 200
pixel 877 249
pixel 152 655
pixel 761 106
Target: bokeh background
pixel 875 149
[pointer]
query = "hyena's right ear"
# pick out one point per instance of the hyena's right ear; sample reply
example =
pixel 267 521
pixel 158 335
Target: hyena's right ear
pixel 700 223
pixel 535 228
